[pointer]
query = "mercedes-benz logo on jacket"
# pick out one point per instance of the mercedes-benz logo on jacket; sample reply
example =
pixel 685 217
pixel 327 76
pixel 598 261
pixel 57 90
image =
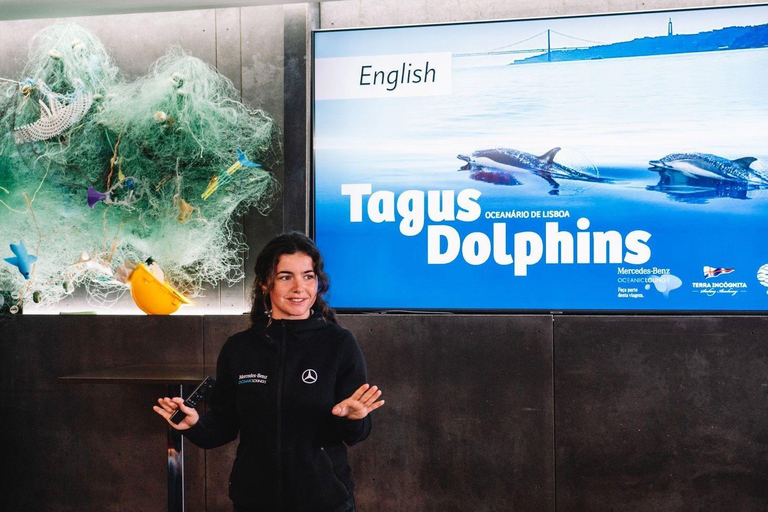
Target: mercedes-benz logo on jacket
pixel 309 376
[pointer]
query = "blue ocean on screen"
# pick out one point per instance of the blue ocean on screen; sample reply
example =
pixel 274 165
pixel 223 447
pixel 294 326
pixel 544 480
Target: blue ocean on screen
pixel 630 183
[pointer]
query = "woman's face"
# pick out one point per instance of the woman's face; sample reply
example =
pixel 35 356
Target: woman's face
pixel 294 287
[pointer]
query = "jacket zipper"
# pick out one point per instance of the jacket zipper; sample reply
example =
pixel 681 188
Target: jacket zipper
pixel 280 377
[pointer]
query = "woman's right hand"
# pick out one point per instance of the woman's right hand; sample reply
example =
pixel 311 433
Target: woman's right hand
pixel 167 406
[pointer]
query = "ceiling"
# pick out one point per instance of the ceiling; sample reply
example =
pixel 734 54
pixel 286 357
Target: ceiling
pixel 28 9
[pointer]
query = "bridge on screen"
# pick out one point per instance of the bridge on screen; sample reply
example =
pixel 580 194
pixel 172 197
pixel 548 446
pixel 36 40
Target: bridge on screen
pixel 512 48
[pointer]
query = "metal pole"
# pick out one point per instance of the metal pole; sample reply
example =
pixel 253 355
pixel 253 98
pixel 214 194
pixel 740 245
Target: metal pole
pixel 175 461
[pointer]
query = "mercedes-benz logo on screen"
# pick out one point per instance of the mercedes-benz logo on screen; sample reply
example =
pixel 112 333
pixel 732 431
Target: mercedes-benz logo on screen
pixel 309 376
pixel 762 275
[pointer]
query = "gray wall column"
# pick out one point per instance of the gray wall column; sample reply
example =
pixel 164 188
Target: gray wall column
pixel 300 20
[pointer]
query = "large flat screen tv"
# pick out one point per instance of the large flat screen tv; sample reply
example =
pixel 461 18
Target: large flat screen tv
pixel 589 163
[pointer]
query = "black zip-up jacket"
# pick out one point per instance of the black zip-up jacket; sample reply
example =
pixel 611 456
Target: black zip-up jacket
pixel 276 385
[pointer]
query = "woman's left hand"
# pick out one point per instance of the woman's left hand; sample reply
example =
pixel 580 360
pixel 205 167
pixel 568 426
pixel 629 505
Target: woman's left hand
pixel 357 406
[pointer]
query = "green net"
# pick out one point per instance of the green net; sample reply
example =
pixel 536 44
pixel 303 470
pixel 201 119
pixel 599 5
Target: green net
pixel 96 170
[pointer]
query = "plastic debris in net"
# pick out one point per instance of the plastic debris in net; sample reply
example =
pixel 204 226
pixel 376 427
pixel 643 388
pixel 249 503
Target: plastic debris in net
pixel 54 118
pixel 146 149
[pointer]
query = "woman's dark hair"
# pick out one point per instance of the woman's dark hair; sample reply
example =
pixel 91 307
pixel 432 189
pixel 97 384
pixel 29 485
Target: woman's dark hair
pixel 266 264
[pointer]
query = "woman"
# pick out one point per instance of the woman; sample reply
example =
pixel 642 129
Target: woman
pixel 294 387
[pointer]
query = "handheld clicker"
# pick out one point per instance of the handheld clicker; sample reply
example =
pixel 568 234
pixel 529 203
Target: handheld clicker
pixel 192 400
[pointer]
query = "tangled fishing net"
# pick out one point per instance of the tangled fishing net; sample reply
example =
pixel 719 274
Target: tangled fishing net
pixel 96 170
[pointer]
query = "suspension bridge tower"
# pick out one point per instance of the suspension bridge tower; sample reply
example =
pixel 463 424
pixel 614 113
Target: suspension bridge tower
pixel 669 27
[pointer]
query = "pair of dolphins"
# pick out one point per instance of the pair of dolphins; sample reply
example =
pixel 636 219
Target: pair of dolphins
pixel 694 165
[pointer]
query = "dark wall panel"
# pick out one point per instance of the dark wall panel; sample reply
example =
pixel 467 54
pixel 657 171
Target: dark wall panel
pixel 468 419
pixel 661 413
pixel 299 20
pixel 218 462
pixel 75 447
pixel 468 424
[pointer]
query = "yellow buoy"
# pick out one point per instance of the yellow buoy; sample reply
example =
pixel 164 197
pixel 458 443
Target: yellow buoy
pixel 154 297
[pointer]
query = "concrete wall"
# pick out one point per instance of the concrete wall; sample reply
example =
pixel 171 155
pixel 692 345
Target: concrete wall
pixel 366 13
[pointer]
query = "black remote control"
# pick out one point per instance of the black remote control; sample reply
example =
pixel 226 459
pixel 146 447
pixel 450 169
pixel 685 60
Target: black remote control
pixel 192 400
